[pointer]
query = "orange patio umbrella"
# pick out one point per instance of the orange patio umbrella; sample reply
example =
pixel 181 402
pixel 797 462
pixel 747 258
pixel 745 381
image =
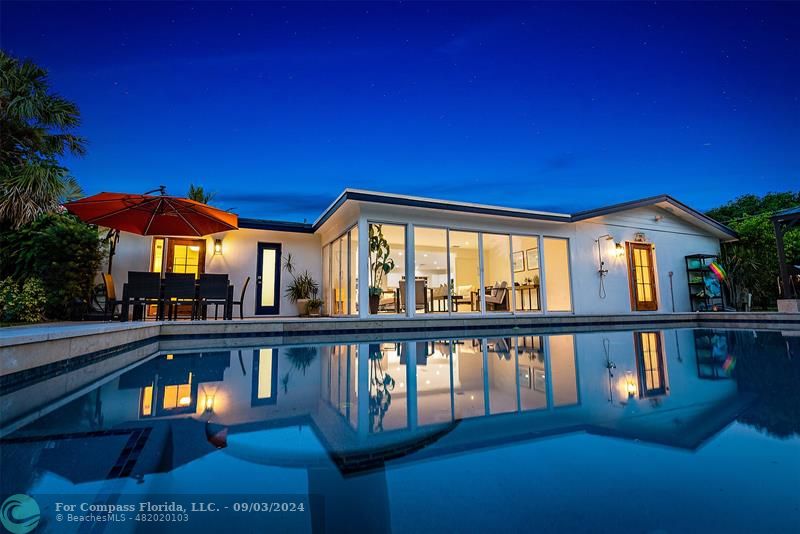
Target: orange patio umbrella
pixel 152 214
pixel 149 214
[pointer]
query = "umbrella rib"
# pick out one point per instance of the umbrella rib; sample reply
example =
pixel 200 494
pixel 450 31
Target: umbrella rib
pixel 153 216
pixel 90 200
pixel 196 231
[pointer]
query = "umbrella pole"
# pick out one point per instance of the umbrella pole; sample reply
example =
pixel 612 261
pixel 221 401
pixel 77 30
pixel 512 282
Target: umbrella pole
pixel 112 249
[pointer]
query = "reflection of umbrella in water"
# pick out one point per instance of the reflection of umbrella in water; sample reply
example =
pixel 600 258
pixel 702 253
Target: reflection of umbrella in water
pixel 132 451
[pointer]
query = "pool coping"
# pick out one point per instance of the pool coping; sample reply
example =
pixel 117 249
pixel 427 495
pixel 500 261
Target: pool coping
pixel 41 351
pixel 19 335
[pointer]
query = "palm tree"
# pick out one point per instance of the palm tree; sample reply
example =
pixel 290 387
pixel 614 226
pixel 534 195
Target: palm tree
pixel 197 193
pixel 37 127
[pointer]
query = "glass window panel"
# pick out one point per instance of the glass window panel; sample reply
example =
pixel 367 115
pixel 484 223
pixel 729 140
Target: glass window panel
pixel 265 363
pixel 268 266
pixel 465 272
pixel 502 375
pixel 497 272
pixel 562 370
pixel 353 262
pixel 525 254
pixel 178 395
pixel 158 254
pixel 326 278
pixel 434 372
pixel 430 269
pixel 343 282
pixel 556 274
pixel 147 400
pixel 385 283
pixel 531 371
pixel 337 298
pixel 651 364
pixel 179 259
pixel 388 403
pixel 468 385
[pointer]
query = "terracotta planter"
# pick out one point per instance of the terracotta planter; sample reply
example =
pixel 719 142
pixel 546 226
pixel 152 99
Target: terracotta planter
pixel 302 306
pixel 374 303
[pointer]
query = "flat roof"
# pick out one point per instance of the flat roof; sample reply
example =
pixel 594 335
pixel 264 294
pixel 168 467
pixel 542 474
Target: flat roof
pixel 480 209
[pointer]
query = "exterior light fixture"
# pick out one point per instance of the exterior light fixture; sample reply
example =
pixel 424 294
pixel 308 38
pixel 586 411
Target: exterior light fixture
pixel 209 403
pixel 218 247
pixel 619 249
pixel 630 385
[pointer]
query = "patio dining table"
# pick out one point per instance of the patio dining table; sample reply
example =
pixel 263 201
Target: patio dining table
pixel 138 310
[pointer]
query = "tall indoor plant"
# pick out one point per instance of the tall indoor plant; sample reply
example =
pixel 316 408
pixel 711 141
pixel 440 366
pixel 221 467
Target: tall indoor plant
pixel 380 264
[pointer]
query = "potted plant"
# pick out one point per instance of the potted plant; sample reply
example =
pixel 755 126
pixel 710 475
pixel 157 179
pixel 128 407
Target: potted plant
pixel 380 264
pixel 314 306
pixel 302 287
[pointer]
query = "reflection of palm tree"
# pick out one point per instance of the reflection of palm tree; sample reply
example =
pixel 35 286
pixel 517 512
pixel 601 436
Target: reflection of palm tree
pixel 300 358
pixel 382 384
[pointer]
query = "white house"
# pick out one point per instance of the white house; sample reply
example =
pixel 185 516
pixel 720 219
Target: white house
pixel 467 259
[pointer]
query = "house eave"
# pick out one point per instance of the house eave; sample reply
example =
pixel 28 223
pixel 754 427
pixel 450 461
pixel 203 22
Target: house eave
pixel 724 233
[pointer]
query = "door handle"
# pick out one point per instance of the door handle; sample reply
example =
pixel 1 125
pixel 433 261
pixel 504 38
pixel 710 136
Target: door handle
pixel 258 279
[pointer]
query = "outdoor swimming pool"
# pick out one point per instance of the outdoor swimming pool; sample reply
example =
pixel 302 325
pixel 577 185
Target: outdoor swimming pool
pixel 635 431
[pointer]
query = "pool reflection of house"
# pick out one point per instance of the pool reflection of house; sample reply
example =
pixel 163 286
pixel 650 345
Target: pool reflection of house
pixel 342 411
pixel 466 393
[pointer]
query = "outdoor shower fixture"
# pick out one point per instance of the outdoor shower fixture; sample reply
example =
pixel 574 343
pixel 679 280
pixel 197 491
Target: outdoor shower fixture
pixel 602 270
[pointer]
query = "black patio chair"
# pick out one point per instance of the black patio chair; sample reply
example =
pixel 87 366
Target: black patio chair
pixel 179 289
pixel 240 302
pixel 212 290
pixel 142 289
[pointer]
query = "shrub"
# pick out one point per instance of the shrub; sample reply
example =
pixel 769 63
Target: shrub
pixel 22 305
pixel 62 252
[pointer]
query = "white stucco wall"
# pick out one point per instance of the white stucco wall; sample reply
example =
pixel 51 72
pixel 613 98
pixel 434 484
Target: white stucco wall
pixel 238 260
pixel 673 238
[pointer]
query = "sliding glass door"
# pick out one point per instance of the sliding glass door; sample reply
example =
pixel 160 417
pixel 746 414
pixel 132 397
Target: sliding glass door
pixel 557 285
pixel 387 276
pixel 497 273
pixel 340 274
pixel 430 270
pixel 455 271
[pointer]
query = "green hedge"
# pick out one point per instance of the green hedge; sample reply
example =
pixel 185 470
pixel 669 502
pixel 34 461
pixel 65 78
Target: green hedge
pixel 61 251
pixel 22 303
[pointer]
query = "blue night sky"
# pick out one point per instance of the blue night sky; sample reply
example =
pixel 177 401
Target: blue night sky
pixel 279 106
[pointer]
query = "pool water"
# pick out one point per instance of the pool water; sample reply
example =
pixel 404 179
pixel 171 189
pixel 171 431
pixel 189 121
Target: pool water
pixel 636 431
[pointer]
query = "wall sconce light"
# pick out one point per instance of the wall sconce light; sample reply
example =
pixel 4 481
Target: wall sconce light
pixel 218 247
pixel 639 237
pixel 630 385
pixel 209 403
pixel 619 249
